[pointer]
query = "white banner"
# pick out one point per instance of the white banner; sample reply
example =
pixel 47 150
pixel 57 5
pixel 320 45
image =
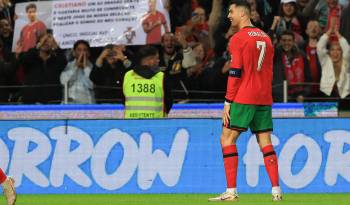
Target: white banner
pixel 101 22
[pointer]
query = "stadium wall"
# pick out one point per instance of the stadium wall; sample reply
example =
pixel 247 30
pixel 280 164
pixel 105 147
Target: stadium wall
pixel 169 156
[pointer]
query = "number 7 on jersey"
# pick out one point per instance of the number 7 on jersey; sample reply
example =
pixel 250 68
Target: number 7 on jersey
pixel 261 45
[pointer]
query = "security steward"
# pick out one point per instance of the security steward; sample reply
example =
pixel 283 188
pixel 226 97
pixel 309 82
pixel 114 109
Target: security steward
pixel 146 91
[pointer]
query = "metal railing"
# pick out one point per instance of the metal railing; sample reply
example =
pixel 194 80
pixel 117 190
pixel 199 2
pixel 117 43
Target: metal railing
pixel 180 96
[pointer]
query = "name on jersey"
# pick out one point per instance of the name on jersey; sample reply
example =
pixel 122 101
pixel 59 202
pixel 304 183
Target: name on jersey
pixel 257 33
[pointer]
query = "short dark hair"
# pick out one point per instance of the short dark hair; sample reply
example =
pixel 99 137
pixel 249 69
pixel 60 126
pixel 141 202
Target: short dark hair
pixel 166 33
pixel 78 42
pixel 288 33
pixel 30 6
pixel 145 52
pixel 242 3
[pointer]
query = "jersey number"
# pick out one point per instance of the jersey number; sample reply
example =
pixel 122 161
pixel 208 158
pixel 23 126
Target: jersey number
pixel 261 45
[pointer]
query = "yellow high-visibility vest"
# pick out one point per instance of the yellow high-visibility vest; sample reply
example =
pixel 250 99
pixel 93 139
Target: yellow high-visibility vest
pixel 143 97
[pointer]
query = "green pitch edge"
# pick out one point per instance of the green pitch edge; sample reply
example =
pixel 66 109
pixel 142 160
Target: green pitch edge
pixel 177 199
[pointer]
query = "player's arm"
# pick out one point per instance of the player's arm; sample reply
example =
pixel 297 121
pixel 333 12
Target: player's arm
pixel 165 24
pixel 166 28
pixel 235 71
pixel 146 24
pixel 146 27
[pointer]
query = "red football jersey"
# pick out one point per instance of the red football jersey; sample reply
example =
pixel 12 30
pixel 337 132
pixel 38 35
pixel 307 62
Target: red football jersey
pixel 250 75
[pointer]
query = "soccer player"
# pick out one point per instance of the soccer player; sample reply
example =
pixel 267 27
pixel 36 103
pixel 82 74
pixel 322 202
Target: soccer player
pixel 8 188
pixel 32 32
pixel 152 24
pixel 248 98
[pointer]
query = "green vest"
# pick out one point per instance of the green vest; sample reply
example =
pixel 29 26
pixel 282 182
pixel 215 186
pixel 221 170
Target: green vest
pixel 143 97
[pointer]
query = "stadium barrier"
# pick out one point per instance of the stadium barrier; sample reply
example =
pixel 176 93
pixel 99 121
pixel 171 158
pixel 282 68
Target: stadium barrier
pixel 116 111
pixel 169 156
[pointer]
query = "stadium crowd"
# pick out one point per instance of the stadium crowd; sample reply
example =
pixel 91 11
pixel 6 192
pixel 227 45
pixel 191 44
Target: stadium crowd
pixel 311 39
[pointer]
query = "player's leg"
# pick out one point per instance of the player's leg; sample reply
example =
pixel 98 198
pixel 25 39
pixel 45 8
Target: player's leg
pixel 230 156
pixel 271 163
pixel 8 187
pixel 262 127
pixel 240 117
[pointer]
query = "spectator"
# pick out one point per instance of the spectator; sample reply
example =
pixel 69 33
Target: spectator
pixel 197 29
pixel 206 31
pixel 335 62
pixel 313 32
pixel 76 75
pixel 7 75
pixel 345 23
pixel 108 72
pixel 180 13
pixel 288 20
pixel 255 16
pixel 199 23
pixel 42 67
pixel 31 32
pixel 200 59
pixel 175 57
pixel 323 11
pixel 170 56
pixel 214 77
pixel 152 23
pixel 147 94
pixel 290 64
pixel 266 9
pixel 6 35
pixel 6 11
pixel 256 20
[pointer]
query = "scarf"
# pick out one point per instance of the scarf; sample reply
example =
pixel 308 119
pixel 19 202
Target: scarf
pixel 294 72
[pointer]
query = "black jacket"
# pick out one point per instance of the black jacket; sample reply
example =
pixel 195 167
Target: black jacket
pixel 45 76
pixel 7 77
pixel 108 82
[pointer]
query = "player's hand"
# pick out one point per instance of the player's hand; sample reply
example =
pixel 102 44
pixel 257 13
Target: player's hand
pixel 226 115
pixel 19 48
